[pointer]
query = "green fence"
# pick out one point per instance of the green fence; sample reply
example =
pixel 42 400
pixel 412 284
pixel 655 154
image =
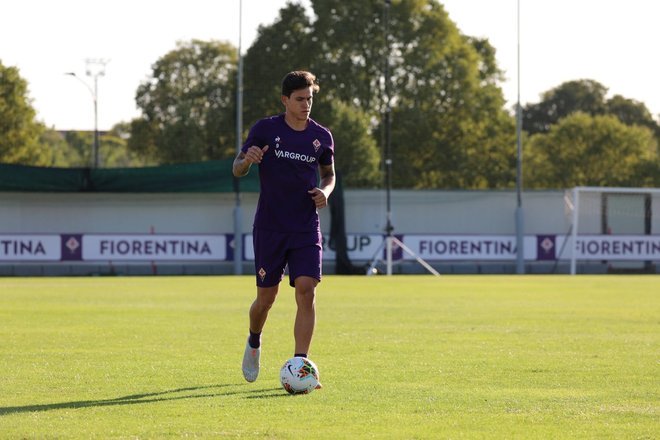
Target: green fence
pixel 211 176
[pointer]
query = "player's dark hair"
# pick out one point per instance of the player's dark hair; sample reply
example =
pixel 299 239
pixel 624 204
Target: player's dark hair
pixel 298 79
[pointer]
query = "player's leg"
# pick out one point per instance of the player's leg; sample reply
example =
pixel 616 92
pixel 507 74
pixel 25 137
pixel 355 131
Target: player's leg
pixel 269 264
pixel 258 315
pixel 304 274
pixel 269 259
pixel 260 308
pixel 303 329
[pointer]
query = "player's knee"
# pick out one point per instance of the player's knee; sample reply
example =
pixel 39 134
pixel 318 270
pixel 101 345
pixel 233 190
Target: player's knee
pixel 266 303
pixel 305 285
pixel 266 298
pixel 305 291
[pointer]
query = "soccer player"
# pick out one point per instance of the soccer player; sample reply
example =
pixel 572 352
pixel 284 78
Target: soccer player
pixel 289 149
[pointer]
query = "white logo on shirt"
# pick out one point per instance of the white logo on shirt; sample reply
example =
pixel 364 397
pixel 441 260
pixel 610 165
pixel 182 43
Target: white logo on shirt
pixel 294 156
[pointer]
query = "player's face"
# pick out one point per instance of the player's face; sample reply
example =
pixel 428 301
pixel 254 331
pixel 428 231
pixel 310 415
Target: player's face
pixel 299 105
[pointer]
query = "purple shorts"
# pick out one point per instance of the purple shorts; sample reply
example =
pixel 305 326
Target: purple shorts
pixel 273 251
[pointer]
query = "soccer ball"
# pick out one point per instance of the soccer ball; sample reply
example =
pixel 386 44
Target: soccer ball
pixel 299 375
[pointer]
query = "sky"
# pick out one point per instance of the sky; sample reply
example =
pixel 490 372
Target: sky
pixel 614 42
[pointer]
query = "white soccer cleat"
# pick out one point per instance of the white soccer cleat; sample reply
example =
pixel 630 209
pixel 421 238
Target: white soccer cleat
pixel 251 363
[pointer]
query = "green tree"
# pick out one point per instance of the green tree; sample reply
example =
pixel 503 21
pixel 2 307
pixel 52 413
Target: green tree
pixel 291 43
pixel 279 48
pixel 188 105
pixel 600 150
pixel 73 149
pixel 585 95
pixel 356 152
pixel 81 143
pixel 19 131
pixel 449 127
pixel 447 109
pixel 349 50
pixel 62 154
pixel 632 112
pixel 115 152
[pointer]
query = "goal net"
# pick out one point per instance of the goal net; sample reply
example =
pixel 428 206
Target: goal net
pixel 611 229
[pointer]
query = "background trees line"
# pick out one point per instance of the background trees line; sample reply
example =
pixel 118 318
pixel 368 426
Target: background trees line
pixel 449 129
pixel 25 140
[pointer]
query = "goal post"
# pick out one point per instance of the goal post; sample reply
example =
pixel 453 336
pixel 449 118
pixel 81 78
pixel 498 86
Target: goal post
pixel 611 226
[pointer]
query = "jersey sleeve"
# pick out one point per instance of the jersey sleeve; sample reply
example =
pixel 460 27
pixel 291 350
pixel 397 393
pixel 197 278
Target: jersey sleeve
pixel 255 136
pixel 328 155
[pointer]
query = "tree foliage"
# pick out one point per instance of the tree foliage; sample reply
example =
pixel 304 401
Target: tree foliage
pixel 188 105
pixel 19 131
pixel 587 96
pixel 62 153
pixel 579 137
pixel 113 149
pixel 448 125
pixel 591 151
pixel 291 43
pixel 356 152
pixel 632 112
pixel 279 48
pixel 449 129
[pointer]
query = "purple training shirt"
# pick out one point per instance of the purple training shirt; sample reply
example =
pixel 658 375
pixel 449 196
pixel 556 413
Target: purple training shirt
pixel 287 171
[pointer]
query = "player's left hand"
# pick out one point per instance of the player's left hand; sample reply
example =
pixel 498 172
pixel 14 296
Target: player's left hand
pixel 319 197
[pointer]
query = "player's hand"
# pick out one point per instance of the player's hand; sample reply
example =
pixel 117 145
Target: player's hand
pixel 319 197
pixel 255 154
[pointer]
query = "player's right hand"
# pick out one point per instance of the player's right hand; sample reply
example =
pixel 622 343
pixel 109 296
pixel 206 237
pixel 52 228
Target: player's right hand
pixel 255 154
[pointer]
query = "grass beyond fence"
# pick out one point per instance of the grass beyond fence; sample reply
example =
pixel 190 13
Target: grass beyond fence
pixel 533 357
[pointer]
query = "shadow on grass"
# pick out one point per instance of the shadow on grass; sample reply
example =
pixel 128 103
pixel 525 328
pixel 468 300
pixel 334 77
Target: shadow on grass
pixel 162 396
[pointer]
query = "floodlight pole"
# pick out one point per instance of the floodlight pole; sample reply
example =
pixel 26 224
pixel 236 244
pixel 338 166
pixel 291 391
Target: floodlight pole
pixel 520 248
pixel 238 213
pixel 94 74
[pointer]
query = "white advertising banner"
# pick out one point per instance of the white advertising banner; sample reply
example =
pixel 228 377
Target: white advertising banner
pixel 468 247
pixel 30 248
pixel 154 247
pixel 359 246
pixel 612 247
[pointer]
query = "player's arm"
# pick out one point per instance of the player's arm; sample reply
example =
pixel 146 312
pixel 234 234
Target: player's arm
pixel 326 186
pixel 243 161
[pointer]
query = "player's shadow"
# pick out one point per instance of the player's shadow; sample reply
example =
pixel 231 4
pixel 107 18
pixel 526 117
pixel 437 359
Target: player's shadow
pixel 200 392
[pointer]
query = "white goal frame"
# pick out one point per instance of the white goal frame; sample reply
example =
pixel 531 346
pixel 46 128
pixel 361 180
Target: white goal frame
pixel 654 192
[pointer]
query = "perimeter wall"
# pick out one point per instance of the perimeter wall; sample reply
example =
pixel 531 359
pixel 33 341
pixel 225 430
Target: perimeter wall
pixel 83 233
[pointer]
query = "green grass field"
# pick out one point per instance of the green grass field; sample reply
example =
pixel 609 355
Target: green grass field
pixel 404 357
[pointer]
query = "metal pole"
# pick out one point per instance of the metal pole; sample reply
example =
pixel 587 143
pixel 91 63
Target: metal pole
pixel 94 73
pixel 576 219
pixel 94 160
pixel 388 147
pixel 520 249
pixel 96 122
pixel 238 213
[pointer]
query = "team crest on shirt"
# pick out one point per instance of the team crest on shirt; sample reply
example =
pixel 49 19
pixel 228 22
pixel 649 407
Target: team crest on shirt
pixel 262 274
pixel 316 144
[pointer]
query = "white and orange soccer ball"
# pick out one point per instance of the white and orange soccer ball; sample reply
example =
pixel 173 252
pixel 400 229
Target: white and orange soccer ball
pixel 299 375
